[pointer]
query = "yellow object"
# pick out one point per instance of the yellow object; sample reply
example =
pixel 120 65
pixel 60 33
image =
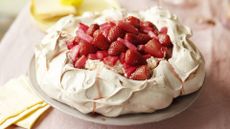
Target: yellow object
pixel 75 3
pixel 18 105
pixel 46 13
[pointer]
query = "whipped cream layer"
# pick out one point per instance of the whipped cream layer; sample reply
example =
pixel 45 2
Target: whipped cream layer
pixel 102 90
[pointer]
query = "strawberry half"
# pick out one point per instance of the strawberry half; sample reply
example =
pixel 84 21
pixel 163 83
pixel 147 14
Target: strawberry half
pixel 101 54
pixel 116 48
pixel 100 42
pixel 92 56
pixel 164 40
pixel 127 27
pixel 83 36
pixel 80 63
pixel 128 70
pixel 127 44
pixel 110 60
pixel 164 30
pixel 83 27
pixel 133 21
pixel 114 33
pixel 154 48
pixel 92 28
pixel 134 58
pixel 141 73
pixel 86 48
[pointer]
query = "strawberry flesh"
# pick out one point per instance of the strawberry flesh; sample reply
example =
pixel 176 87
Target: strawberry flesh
pixel 110 60
pixel 101 54
pixel 127 44
pixel 141 73
pixel 134 58
pixel 80 63
pixel 164 39
pixel 92 29
pixel 154 48
pixel 116 48
pixel 100 42
pixel 127 27
pixel 133 21
pixel 86 48
pixel 114 33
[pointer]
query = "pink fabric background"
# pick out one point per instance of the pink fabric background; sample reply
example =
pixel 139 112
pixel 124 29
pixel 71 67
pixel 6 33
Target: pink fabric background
pixel 210 111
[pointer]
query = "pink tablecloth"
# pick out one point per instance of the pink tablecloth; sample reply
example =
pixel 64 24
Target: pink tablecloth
pixel 210 111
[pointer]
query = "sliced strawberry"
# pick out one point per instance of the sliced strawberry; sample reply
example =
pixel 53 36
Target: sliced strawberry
pixel 83 36
pixel 152 35
pixel 122 57
pixel 110 60
pixel 134 58
pixel 164 30
pixel 127 27
pixel 154 48
pixel 116 48
pixel 143 38
pixel 164 40
pixel 92 56
pixel 70 44
pixel 101 54
pixel 80 63
pixel 92 29
pixel 133 21
pixel 131 38
pixel 128 70
pixel 107 25
pixel 83 27
pixel 147 27
pixel 114 33
pixel 100 42
pixel 141 73
pixel 127 44
pixel 74 53
pixel 86 48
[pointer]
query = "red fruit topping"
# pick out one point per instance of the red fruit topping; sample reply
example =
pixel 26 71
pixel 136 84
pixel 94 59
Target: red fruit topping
pixel 131 41
pixel 143 38
pixel 141 73
pixel 74 52
pixel 134 58
pixel 164 39
pixel 122 57
pixel 86 48
pixel 83 27
pixel 110 60
pixel 83 36
pixel 131 38
pixel 133 21
pixel 107 25
pixel 92 56
pixel 164 30
pixel 154 48
pixel 92 29
pixel 80 63
pixel 129 69
pixel 114 33
pixel 127 27
pixel 101 54
pixel 127 44
pixel 116 48
pixel 70 44
pixel 100 41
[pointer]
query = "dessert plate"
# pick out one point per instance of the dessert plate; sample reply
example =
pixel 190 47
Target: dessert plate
pixel 179 105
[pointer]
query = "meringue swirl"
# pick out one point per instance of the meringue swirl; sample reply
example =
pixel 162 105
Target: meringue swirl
pixel 105 91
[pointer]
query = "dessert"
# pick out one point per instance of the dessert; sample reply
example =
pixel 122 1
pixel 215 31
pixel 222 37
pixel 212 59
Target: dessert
pixel 119 62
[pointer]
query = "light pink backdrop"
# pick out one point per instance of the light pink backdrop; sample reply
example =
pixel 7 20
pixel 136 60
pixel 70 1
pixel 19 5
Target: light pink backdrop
pixel 210 111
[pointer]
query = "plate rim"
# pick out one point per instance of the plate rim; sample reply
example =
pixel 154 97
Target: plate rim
pixel 136 119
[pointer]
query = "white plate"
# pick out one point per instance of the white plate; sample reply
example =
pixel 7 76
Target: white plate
pixel 178 106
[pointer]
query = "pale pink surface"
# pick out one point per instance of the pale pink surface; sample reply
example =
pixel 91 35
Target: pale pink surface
pixel 210 111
